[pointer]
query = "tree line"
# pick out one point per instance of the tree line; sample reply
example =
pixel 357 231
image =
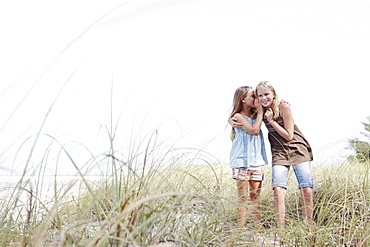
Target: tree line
pixel 361 148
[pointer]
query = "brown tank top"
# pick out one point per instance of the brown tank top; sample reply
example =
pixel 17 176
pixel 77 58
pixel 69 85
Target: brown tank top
pixel 286 152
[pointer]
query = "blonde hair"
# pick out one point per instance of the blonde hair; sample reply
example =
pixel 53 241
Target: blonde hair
pixel 240 93
pixel 275 102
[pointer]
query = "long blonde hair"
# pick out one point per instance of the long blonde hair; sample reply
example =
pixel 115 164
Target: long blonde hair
pixel 240 93
pixel 275 102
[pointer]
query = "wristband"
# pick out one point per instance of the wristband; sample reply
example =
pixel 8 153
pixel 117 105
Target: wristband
pixel 271 121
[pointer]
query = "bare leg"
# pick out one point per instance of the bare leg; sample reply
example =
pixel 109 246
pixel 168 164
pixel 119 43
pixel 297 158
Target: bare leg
pixel 279 204
pixel 242 199
pixel 307 204
pixel 254 194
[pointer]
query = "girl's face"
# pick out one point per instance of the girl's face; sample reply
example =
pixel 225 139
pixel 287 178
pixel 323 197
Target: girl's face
pixel 265 96
pixel 249 99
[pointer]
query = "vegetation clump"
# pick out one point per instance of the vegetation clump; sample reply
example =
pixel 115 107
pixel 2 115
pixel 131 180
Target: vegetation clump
pixel 361 147
pixel 181 198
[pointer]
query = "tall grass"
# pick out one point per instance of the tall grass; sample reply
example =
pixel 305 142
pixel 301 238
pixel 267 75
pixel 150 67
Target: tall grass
pixel 182 197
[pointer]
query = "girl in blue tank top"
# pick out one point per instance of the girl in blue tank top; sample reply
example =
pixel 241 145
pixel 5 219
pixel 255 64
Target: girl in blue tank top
pixel 248 154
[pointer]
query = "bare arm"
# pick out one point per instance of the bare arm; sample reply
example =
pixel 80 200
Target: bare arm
pixel 288 131
pixel 234 123
pixel 253 129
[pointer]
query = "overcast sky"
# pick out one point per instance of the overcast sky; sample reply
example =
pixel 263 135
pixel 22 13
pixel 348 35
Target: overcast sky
pixel 173 66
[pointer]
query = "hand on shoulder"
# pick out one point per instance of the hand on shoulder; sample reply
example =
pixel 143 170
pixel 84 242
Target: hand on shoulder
pixel 284 105
pixel 234 122
pixel 285 109
pixel 283 101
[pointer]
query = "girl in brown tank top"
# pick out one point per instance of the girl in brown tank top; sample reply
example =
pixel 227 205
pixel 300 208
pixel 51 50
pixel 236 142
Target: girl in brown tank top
pixel 284 152
pixel 289 148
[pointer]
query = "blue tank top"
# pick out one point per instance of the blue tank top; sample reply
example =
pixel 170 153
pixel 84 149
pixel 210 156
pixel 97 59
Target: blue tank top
pixel 247 149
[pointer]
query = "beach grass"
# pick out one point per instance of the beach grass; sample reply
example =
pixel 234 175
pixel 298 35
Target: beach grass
pixel 179 197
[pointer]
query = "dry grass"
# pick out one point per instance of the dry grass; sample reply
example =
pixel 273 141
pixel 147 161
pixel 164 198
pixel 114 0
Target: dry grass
pixel 183 198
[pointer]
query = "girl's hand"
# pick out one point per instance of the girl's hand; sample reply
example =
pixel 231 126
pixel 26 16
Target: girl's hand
pixel 234 123
pixel 283 101
pixel 258 106
pixel 256 103
pixel 269 114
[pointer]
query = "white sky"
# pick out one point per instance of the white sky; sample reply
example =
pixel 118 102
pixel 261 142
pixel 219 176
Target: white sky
pixel 174 66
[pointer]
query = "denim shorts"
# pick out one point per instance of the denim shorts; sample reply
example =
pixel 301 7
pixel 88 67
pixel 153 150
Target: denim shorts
pixel 302 172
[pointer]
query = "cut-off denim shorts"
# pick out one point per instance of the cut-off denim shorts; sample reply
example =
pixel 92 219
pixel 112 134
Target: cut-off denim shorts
pixel 302 172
